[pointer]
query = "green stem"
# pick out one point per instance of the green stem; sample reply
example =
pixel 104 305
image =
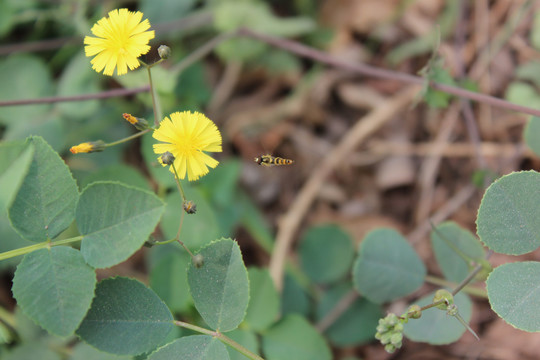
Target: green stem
pixel 155 102
pixel 43 245
pixel 222 338
pixel 467 280
pixel 178 183
pixel 134 136
pixel 476 291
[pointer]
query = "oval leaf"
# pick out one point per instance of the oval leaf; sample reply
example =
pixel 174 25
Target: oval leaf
pixel 294 338
pixel 126 318
pixel 508 216
pixel 196 347
pixel 15 159
pixel 263 306
pixel 46 201
pixel 514 294
pixel 326 253
pixel 55 287
pixel 220 288
pixel 115 220
pixel 452 245
pixel 435 326
pixel 387 267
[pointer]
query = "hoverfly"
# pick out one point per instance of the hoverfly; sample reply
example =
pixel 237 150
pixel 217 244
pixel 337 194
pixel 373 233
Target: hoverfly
pixel 269 160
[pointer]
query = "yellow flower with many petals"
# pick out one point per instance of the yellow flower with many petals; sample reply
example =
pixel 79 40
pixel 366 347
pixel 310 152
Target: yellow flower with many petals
pixel 187 136
pixel 121 39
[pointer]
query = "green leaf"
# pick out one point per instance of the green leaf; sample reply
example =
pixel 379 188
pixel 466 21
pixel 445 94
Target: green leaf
pixel 83 351
pixel 245 338
pixel 514 294
pixel 126 318
pixel 197 229
pixel 529 71
pixel 32 82
pixel 346 330
pixel 15 160
pixel 115 220
pixel 118 172
pixel 166 10
pixel 196 347
pixel 263 308
pixel 220 288
pixel 435 326
pixel 78 78
pixel 55 287
pixel 387 267
pixel 168 278
pixel 437 98
pixel 46 201
pixel 523 94
pixel 49 126
pixel 326 253
pixel 508 216
pixel 454 267
pixel 32 351
pixel 10 241
pixel 294 338
pixel 294 298
pixel 531 134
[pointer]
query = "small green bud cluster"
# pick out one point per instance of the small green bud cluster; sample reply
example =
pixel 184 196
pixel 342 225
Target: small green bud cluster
pixel 390 332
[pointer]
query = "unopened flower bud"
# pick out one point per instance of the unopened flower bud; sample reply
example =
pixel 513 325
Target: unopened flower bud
pixel 164 51
pixel 139 123
pixel 198 261
pixel 167 158
pixel 189 207
pixel 88 147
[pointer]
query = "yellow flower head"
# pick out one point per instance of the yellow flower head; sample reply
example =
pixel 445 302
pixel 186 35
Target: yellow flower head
pixel 88 147
pixel 121 39
pixel 187 136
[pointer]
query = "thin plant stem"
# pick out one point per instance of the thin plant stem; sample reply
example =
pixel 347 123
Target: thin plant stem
pixel 134 136
pixel 469 289
pixel 220 337
pixel 155 101
pixel 178 184
pixel 42 245
pixel 468 279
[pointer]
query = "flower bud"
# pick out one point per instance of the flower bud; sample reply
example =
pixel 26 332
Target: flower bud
pixel 166 158
pixel 415 312
pixel 445 295
pixel 88 147
pixel 164 51
pixel 139 123
pixel 198 261
pixel 189 207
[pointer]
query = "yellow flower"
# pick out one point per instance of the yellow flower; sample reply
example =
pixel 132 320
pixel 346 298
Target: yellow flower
pixel 187 136
pixel 121 39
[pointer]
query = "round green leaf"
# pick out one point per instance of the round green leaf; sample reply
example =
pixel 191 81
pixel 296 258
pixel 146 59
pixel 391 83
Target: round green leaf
pixel 514 294
pixel 326 253
pixel 55 287
pixel 531 134
pixel 354 326
pixel 78 78
pixel 196 347
pixel 294 338
pixel 83 351
pixel 263 308
pixel 126 318
pixel 387 267
pixel 25 77
pixel 115 220
pixel 451 244
pixel 220 288
pixel 46 201
pixel 168 278
pixel 197 229
pixel 508 216
pixel 435 326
